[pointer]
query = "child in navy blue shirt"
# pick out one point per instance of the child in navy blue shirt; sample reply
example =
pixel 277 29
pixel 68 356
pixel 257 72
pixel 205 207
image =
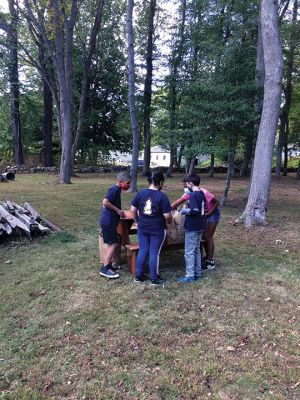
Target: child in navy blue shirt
pixel 152 209
pixel 111 213
pixel 194 227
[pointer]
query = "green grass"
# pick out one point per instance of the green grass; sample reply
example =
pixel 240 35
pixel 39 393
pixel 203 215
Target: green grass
pixel 67 333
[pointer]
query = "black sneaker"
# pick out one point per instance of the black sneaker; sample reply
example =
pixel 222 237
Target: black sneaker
pixel 158 281
pixel 140 279
pixel 107 272
pixel 208 264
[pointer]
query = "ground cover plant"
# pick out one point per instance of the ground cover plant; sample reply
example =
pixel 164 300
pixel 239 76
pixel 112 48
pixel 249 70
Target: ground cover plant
pixel 67 333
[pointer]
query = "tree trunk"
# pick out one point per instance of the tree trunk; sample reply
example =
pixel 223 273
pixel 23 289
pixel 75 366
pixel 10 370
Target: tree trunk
pixel 48 114
pixel 192 165
pixel 13 72
pixel 280 147
pixel 289 86
pixel 148 89
pixel 173 153
pixel 285 147
pixel 212 165
pixel 231 155
pixel 131 100
pixel 298 171
pixel 257 204
pixel 175 63
pixel 247 157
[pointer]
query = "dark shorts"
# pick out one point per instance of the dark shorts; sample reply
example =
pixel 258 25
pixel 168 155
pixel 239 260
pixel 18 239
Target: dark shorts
pixel 109 234
pixel 215 217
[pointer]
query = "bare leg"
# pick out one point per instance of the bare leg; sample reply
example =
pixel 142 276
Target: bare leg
pixel 103 250
pixel 209 244
pixel 111 252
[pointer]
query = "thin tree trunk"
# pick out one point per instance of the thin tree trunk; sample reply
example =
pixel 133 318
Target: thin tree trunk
pixel 131 100
pixel 231 155
pixel 13 72
pixel 148 89
pixel 280 147
pixel 48 114
pixel 285 148
pixel 247 157
pixel 175 63
pixel 192 165
pixel 257 204
pixel 212 165
pixel 298 171
pixel 289 84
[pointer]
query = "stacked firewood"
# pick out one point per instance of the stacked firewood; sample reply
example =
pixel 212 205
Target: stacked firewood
pixel 22 219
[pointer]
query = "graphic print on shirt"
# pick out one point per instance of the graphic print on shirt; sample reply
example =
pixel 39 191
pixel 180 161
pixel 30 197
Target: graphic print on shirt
pixel 148 207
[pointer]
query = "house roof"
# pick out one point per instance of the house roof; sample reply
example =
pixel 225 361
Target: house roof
pixel 158 149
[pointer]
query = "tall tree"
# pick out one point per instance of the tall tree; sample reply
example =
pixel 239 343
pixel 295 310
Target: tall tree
pixel 13 73
pixel 148 88
pixel 257 204
pixel 131 99
pixel 288 89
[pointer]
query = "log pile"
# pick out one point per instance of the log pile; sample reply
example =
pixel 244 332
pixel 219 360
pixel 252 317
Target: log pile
pixel 24 219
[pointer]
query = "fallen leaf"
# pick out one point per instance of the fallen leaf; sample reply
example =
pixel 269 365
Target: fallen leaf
pixel 230 348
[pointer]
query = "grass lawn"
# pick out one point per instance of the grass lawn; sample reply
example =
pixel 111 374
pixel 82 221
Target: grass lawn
pixel 67 333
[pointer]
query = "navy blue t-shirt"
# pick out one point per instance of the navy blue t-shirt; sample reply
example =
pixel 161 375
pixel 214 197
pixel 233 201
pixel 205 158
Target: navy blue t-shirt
pixel 195 221
pixel 110 217
pixel 152 205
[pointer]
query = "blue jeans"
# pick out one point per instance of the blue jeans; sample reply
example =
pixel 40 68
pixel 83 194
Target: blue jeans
pixel 192 254
pixel 149 244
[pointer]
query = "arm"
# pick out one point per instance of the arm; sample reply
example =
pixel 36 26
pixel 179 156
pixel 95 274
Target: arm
pixel 106 203
pixel 134 212
pixel 179 201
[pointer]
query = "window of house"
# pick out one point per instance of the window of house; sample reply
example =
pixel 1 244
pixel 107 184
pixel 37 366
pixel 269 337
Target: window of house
pixel 156 157
pixel 164 157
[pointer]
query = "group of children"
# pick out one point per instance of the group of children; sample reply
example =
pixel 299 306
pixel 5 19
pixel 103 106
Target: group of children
pixel 152 210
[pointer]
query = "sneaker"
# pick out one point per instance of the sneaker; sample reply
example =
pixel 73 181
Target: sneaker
pixel 158 281
pixel 140 279
pixel 209 264
pixel 108 273
pixel 186 279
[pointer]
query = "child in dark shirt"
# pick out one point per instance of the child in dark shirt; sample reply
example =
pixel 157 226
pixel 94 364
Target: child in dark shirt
pixel 152 209
pixel 194 227
pixel 111 213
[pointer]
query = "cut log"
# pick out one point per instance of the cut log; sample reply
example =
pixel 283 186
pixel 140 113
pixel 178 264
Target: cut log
pixel 8 229
pixel 28 221
pixel 19 208
pixel 50 224
pixel 13 221
pixel 35 215
pixel 10 206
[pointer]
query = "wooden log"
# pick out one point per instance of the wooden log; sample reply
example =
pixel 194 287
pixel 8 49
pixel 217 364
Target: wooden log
pixel 43 229
pixel 10 206
pixel 27 220
pixel 8 228
pixel 19 208
pixel 50 224
pixel 35 215
pixel 13 221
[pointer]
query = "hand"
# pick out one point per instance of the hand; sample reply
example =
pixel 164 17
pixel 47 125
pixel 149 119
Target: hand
pixel 122 214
